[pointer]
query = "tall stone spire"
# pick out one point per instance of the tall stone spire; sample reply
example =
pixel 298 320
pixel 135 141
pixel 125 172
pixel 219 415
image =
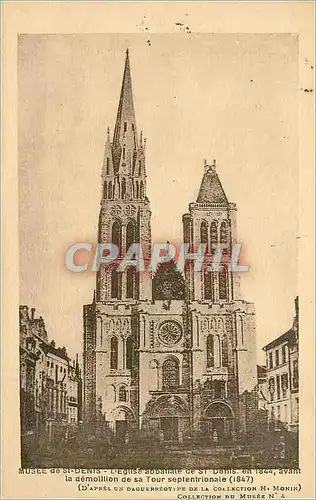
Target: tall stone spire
pixel 125 120
pixel 124 171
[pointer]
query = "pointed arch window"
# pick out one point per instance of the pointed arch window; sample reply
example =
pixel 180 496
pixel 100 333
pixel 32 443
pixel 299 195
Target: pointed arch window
pixel 139 168
pixel 129 353
pixel 223 236
pixel 203 233
pixel 208 285
pixel 130 233
pixel 116 284
pixel 213 236
pixel 108 166
pixel 110 191
pixel 137 189
pixel 117 234
pixel 141 189
pixel 114 353
pixel 125 126
pixel 170 374
pixel 123 192
pixel 105 190
pixel 210 351
pixel 222 284
pixel 131 283
pixel 124 152
pixel 122 394
pixel 224 351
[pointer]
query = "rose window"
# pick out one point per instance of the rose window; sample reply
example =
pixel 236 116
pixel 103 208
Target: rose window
pixel 169 333
pixel 116 210
pixel 130 210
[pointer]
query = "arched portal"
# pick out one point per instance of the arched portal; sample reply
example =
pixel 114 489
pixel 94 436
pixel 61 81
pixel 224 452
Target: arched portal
pixel 122 420
pixel 219 421
pixel 167 415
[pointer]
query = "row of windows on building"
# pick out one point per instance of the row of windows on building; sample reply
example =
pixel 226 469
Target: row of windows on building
pixel 132 284
pixel 138 189
pixel 131 230
pixel 282 413
pixel 57 400
pixel 279 385
pixel 55 371
pixel 132 278
pixel 275 359
pixel 171 379
pixel 216 353
pixel 170 367
pixel 216 233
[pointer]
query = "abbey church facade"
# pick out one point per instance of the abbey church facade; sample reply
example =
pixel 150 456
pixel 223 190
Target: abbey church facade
pixel 169 353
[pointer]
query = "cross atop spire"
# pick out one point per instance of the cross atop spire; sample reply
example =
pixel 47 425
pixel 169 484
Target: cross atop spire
pixel 125 121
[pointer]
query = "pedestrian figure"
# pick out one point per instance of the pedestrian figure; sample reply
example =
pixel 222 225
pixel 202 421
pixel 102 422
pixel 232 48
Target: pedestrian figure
pixel 126 438
pixel 215 436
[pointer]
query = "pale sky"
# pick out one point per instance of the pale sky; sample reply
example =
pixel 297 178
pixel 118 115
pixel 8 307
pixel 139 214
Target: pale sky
pixel 229 97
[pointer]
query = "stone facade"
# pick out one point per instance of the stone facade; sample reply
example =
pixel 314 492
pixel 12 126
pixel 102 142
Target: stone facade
pixel 165 353
pixel 50 385
pixel 282 362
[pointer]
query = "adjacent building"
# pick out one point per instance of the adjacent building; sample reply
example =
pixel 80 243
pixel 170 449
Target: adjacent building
pixel 74 393
pixel 50 386
pixel 282 361
pixel 167 353
pixel 263 395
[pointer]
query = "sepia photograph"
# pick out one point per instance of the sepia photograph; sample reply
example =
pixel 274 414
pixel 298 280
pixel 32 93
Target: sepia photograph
pixel 158 250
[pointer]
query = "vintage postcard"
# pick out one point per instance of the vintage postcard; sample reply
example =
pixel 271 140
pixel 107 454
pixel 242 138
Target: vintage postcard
pixel 158 333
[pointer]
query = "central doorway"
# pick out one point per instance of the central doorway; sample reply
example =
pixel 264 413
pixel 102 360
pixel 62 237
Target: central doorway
pixel 170 428
pixel 219 417
pixel 218 425
pixel 120 428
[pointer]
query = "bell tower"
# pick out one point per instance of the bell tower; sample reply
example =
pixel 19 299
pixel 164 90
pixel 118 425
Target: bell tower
pixel 211 222
pixel 125 210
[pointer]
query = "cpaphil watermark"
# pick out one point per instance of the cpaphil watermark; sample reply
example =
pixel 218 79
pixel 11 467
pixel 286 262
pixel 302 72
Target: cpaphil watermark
pixel 204 258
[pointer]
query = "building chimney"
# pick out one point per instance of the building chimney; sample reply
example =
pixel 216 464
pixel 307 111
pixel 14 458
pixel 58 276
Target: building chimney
pixel 32 313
